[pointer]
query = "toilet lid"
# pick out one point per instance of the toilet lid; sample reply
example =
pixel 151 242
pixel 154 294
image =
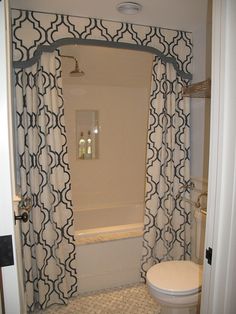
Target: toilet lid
pixel 176 277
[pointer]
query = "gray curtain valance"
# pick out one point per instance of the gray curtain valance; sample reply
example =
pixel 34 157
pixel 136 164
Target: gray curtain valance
pixel 35 32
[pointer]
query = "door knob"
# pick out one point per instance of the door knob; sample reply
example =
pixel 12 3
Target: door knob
pixel 24 217
pixel 24 205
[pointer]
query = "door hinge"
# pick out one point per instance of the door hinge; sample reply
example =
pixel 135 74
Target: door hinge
pixel 209 255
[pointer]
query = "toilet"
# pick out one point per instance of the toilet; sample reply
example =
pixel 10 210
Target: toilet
pixel 176 286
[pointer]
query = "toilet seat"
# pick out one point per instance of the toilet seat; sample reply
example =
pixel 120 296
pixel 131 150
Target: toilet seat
pixel 175 278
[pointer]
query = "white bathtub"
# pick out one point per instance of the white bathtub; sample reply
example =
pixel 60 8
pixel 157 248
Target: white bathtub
pixel 108 256
pixel 112 233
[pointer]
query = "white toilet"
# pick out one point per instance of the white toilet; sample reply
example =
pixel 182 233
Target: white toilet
pixel 176 286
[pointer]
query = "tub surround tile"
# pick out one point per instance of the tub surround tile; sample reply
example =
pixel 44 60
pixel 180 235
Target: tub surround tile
pixel 133 299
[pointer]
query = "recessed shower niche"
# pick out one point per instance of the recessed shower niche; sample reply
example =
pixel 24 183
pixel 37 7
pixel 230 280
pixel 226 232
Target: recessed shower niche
pixel 87 130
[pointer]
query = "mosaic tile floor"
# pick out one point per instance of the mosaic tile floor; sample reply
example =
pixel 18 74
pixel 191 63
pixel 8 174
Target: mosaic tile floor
pixel 124 300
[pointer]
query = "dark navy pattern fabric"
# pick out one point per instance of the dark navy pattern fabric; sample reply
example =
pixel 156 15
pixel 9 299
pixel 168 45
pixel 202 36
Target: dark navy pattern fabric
pixel 48 237
pixel 167 221
pixel 34 32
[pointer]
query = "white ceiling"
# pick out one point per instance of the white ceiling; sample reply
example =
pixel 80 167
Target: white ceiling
pixel 186 15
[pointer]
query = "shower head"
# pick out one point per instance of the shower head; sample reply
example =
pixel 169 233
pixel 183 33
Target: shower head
pixel 77 72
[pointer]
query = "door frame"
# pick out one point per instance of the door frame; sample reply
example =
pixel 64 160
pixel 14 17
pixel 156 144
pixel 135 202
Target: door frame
pixel 10 275
pixel 219 283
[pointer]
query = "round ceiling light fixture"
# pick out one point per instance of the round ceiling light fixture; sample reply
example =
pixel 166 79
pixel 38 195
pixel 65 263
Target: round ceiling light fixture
pixel 129 8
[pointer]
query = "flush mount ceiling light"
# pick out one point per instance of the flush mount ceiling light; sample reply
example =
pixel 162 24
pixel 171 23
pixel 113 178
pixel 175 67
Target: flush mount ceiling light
pixel 129 8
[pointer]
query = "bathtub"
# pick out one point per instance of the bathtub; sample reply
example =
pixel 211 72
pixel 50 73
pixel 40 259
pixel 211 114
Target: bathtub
pixel 108 255
pixel 112 233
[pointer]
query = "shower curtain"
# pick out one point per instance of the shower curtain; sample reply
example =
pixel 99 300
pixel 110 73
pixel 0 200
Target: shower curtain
pixel 48 237
pixel 167 218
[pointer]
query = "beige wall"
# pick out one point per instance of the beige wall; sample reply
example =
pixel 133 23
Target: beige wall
pixel 200 108
pixel 117 176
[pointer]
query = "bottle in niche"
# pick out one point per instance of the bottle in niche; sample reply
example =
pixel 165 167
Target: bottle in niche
pixel 89 146
pixel 82 146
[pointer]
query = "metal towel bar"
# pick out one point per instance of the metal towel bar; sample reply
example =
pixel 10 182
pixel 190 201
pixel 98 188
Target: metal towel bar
pixel 197 204
pixel 203 211
pixel 187 187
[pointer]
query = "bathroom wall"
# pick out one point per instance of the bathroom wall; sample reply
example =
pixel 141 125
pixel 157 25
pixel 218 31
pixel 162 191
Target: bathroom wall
pixel 200 108
pixel 117 85
pixel 200 131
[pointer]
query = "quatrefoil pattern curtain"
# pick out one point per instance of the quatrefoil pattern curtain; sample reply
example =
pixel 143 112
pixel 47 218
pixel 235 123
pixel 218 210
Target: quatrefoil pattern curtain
pixel 48 237
pixel 167 219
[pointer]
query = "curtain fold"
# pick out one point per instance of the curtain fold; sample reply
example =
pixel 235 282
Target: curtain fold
pixel 167 219
pixel 48 237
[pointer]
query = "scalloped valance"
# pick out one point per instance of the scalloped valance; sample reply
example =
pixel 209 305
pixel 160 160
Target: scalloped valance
pixel 35 32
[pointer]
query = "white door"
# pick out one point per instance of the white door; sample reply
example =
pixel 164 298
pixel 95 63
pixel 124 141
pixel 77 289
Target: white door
pixel 219 284
pixel 11 275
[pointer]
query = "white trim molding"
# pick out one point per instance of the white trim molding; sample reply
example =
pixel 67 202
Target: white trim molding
pixel 219 281
pixel 10 274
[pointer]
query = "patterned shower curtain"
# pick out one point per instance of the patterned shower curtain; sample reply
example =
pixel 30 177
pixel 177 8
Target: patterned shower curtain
pixel 48 237
pixel 167 218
